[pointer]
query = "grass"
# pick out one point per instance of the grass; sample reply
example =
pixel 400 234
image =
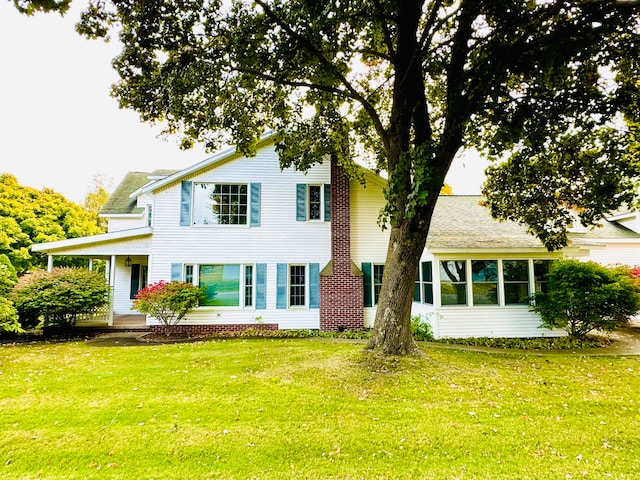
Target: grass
pixel 313 409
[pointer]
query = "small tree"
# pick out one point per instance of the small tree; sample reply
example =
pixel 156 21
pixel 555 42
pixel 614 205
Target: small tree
pixel 169 302
pixel 56 298
pixel 586 296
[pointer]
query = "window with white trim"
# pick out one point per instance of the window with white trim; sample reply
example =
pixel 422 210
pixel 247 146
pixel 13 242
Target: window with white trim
pixel 423 292
pixel 515 274
pixel 453 282
pixel 226 285
pixel 314 202
pixel 378 272
pixel 297 285
pixel 484 278
pixel 220 203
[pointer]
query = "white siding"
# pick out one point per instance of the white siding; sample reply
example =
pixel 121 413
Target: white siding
pixel 278 239
pixel 126 223
pixel 368 241
pixel 463 322
pixel 615 254
pixel 122 285
pixel 135 246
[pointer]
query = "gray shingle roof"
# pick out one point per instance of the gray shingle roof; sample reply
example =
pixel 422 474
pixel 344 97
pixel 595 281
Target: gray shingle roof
pixel 461 222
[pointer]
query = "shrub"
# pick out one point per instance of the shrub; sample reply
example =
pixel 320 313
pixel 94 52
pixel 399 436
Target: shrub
pixel 421 330
pixel 59 296
pixel 8 276
pixel 586 296
pixel 168 302
pixel 8 317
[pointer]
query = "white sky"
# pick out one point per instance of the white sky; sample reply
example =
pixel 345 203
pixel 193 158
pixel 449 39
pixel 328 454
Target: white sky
pixel 59 126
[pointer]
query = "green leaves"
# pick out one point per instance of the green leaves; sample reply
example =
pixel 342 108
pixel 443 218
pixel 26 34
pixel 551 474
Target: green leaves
pixel 30 216
pixel 168 302
pixel 58 296
pixel 586 296
pixel 587 173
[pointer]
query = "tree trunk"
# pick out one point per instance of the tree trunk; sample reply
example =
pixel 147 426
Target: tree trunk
pixel 392 328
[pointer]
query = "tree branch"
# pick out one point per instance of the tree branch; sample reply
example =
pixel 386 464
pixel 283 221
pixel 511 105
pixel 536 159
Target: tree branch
pixel 387 33
pixel 351 92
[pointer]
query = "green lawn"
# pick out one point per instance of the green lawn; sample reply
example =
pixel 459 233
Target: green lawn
pixel 308 409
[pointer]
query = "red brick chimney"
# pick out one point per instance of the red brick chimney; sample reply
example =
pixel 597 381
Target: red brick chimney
pixel 341 282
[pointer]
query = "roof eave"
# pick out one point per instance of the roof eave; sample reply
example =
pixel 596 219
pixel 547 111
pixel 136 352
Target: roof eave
pixel 90 240
pixel 217 158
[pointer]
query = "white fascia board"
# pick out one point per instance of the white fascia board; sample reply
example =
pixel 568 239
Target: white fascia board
pixel 606 241
pixel 498 252
pixel 207 162
pixel 620 216
pixel 121 215
pixel 90 240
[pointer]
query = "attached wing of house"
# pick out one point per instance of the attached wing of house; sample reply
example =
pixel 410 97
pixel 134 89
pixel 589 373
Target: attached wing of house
pixel 279 248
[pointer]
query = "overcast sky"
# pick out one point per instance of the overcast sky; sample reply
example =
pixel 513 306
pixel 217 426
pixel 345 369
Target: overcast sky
pixel 59 127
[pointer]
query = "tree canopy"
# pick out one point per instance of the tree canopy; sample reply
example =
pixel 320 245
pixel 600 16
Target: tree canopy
pixel 29 216
pixel 404 84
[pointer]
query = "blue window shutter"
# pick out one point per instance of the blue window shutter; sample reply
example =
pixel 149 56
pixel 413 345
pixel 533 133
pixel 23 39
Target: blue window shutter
pixel 301 202
pixel 327 202
pixel 135 279
pixel 368 286
pixel 255 204
pixel 185 204
pixel 261 286
pixel 281 286
pixel 176 271
pixel 314 285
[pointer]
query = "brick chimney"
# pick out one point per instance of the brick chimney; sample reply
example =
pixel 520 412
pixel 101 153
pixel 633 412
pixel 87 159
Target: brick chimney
pixel 341 282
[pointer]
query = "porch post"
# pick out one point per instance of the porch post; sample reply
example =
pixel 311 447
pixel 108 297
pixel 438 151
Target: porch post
pixel 112 277
pixel 49 263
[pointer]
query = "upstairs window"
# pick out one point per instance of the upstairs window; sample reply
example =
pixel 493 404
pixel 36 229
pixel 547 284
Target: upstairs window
pixel 220 203
pixel 313 202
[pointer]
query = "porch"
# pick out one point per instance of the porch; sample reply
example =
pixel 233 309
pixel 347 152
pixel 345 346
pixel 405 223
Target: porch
pixel 120 323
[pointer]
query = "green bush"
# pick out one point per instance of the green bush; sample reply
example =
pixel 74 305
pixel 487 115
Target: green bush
pixel 57 297
pixel 586 296
pixel 168 302
pixel 420 329
pixel 8 317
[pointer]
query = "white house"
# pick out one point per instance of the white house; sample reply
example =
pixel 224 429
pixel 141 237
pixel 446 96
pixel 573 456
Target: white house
pixel 279 248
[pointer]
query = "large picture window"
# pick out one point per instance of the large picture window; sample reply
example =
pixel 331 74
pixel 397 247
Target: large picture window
pixel 220 204
pixel 222 285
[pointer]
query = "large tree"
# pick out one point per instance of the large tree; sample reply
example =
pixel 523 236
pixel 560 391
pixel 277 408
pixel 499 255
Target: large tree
pixel 29 216
pixel 406 84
